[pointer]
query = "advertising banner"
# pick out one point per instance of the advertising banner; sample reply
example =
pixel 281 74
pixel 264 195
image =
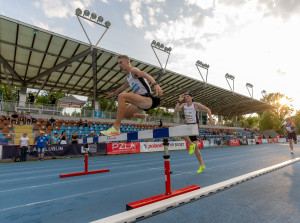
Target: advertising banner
pixel 206 144
pixel 270 140
pixel 258 141
pixel 275 140
pixel 200 144
pixel 10 152
pixel 264 141
pixel 234 142
pixel 281 140
pixel 251 141
pixel 121 148
pixel 158 146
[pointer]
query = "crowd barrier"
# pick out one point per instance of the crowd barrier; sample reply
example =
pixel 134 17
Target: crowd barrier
pixel 96 148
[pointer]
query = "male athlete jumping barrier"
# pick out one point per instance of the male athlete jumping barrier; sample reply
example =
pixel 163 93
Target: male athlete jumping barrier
pixel 141 99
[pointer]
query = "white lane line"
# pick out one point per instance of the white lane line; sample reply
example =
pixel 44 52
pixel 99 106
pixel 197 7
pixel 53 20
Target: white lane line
pixel 148 210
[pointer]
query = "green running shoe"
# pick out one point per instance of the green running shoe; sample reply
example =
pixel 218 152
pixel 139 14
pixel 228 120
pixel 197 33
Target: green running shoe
pixel 201 168
pixel 192 149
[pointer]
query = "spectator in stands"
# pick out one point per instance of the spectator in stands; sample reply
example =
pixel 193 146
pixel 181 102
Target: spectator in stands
pixel 22 118
pixel 63 138
pixel 92 135
pixel 74 138
pixel 140 99
pixel 80 123
pixel 15 117
pixel 24 143
pixel 28 118
pixel 52 101
pixel 191 109
pixel 52 121
pixel 160 123
pixel 31 98
pixel 55 138
pixel 41 144
pixel 7 117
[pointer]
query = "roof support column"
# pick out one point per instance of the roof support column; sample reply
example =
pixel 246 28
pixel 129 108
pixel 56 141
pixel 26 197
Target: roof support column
pixel 22 96
pixel 220 120
pixel 96 106
pixel 8 83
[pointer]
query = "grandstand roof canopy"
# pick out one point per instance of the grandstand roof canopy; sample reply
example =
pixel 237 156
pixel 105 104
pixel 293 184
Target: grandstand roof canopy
pixel 34 57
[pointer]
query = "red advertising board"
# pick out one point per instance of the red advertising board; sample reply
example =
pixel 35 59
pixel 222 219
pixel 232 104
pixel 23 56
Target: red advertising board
pixel 275 140
pixel 120 148
pixel 234 142
pixel 258 141
pixel 200 144
pixel 270 141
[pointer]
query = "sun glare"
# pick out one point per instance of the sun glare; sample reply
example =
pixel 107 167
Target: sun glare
pixel 283 101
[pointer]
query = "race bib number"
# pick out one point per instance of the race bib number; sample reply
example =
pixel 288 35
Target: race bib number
pixel 135 87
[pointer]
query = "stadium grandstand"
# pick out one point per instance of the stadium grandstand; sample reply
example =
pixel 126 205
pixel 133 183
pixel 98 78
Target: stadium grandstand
pixel 39 59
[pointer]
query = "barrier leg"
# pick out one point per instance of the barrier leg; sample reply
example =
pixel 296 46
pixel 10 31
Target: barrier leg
pixel 169 193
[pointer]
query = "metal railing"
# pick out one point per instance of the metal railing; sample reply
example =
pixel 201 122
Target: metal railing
pixel 83 113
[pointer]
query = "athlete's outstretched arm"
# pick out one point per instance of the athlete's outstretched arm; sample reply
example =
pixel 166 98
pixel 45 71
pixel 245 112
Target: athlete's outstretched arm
pixel 207 110
pixel 120 89
pixel 180 103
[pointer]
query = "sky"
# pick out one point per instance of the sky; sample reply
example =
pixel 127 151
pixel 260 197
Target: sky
pixel 257 41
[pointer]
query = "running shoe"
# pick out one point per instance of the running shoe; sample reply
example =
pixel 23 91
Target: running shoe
pixel 111 132
pixel 292 152
pixel 141 120
pixel 192 149
pixel 201 168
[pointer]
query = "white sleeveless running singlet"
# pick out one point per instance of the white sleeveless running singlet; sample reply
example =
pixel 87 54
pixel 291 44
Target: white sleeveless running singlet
pixel 139 85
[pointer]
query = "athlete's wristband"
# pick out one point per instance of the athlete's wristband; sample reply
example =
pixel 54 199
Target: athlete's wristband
pixel 155 83
pixel 180 102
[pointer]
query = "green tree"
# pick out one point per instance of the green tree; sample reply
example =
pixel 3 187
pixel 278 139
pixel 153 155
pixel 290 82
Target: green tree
pixel 270 120
pixel 6 92
pixel 297 121
pixel 282 103
pixel 44 97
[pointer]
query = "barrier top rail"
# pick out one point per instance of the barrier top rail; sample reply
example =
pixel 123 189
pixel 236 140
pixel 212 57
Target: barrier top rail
pixel 177 131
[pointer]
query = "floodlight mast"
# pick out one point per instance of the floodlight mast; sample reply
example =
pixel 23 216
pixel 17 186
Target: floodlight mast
pixel 230 77
pixel 204 66
pixel 263 93
pixel 99 21
pixel 248 85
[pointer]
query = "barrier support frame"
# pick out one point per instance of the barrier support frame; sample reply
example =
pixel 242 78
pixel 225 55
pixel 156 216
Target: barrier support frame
pixel 86 172
pixel 169 193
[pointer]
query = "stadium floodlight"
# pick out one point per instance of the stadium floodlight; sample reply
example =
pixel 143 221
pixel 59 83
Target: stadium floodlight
pixel 107 24
pixel 263 93
pixel 162 47
pixel 248 85
pixel 86 13
pixel 35 31
pixel 93 16
pixel 100 19
pixel 230 77
pixel 204 66
pixel 78 11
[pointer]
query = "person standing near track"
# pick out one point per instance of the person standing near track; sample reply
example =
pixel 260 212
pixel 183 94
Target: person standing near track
pixel 141 99
pixel 291 130
pixel 41 144
pixel 191 110
pixel 24 143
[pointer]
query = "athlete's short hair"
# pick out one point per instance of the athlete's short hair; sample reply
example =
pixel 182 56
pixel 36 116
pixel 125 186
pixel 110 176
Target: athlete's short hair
pixel 123 57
